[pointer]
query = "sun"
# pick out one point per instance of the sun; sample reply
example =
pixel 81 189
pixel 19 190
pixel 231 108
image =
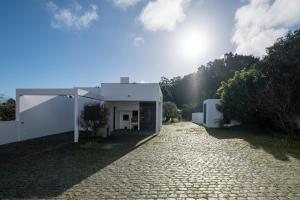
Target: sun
pixel 192 44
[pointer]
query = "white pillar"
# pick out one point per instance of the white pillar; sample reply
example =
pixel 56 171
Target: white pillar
pixel 139 116
pixel 161 114
pixel 76 124
pixel 157 122
pixel 18 97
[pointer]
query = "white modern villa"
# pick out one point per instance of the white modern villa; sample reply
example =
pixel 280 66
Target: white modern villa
pixel 43 112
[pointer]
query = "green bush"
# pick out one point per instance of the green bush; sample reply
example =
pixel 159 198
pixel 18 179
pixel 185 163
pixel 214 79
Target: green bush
pixel 238 96
pixel 170 111
pixel 93 117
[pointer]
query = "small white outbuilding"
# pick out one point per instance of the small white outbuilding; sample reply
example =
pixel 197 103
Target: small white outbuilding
pixel 211 116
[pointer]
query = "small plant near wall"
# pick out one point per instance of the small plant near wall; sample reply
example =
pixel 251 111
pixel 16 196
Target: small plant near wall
pixel 94 119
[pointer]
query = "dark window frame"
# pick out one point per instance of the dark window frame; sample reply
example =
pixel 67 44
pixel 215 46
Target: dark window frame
pixel 125 117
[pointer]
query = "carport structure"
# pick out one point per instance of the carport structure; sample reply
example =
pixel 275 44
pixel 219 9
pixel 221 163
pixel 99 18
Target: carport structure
pixel 41 96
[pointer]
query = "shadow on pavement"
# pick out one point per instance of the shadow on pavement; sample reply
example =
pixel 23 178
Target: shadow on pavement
pixel 46 167
pixel 279 148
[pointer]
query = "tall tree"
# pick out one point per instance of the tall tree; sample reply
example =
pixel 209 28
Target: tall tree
pixel 280 98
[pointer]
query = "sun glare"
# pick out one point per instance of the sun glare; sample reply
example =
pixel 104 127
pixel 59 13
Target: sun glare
pixel 192 44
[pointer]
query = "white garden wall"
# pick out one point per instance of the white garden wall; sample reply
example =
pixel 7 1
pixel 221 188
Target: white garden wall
pixel 197 118
pixel 8 132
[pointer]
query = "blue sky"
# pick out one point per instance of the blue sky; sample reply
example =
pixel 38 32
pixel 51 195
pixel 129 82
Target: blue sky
pixel 70 43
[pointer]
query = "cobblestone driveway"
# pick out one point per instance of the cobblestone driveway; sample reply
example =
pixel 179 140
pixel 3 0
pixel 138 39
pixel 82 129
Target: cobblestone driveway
pixel 186 162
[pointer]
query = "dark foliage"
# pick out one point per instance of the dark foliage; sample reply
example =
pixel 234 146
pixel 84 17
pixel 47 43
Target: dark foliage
pixel 93 117
pixel 7 110
pixel 268 94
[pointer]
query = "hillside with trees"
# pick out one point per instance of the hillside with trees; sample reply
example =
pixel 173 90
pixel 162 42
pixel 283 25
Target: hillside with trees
pixel 262 92
pixel 189 91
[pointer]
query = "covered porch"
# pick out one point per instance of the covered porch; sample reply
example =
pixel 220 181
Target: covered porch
pixel 142 116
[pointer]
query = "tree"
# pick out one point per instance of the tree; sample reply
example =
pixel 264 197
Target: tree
pixel 93 117
pixel 280 98
pixel 170 111
pixel 188 109
pixel 8 110
pixel 270 91
pixel 166 86
pixel 238 96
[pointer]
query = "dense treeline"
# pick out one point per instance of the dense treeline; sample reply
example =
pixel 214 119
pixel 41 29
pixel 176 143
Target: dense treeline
pixel 263 92
pixel 189 92
pixel 268 94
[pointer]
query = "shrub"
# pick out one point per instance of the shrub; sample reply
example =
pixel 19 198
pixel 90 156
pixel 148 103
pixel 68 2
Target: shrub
pixel 239 96
pixel 170 111
pixel 93 117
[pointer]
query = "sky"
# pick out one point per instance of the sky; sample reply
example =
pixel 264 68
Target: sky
pixel 68 43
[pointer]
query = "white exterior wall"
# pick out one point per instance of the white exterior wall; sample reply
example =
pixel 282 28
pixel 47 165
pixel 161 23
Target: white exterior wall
pixel 197 118
pixel 45 115
pixel 131 92
pixel 8 132
pixel 213 116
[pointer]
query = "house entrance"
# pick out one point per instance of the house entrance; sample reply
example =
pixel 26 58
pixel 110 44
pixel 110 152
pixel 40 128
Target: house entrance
pixel 125 117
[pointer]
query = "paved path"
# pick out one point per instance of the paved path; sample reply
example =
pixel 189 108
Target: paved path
pixel 184 161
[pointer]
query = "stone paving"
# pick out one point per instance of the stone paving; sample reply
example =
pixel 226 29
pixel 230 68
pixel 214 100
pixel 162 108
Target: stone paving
pixel 183 162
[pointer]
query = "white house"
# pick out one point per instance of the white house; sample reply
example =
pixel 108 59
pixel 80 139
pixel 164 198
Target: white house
pixel 42 112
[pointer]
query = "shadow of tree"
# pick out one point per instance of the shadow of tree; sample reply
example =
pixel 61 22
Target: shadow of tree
pixel 279 148
pixel 46 167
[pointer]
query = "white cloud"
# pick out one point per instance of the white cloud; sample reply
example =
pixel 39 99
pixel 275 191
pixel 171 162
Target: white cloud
pixel 125 3
pixel 260 22
pixel 163 15
pixel 138 41
pixel 74 17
